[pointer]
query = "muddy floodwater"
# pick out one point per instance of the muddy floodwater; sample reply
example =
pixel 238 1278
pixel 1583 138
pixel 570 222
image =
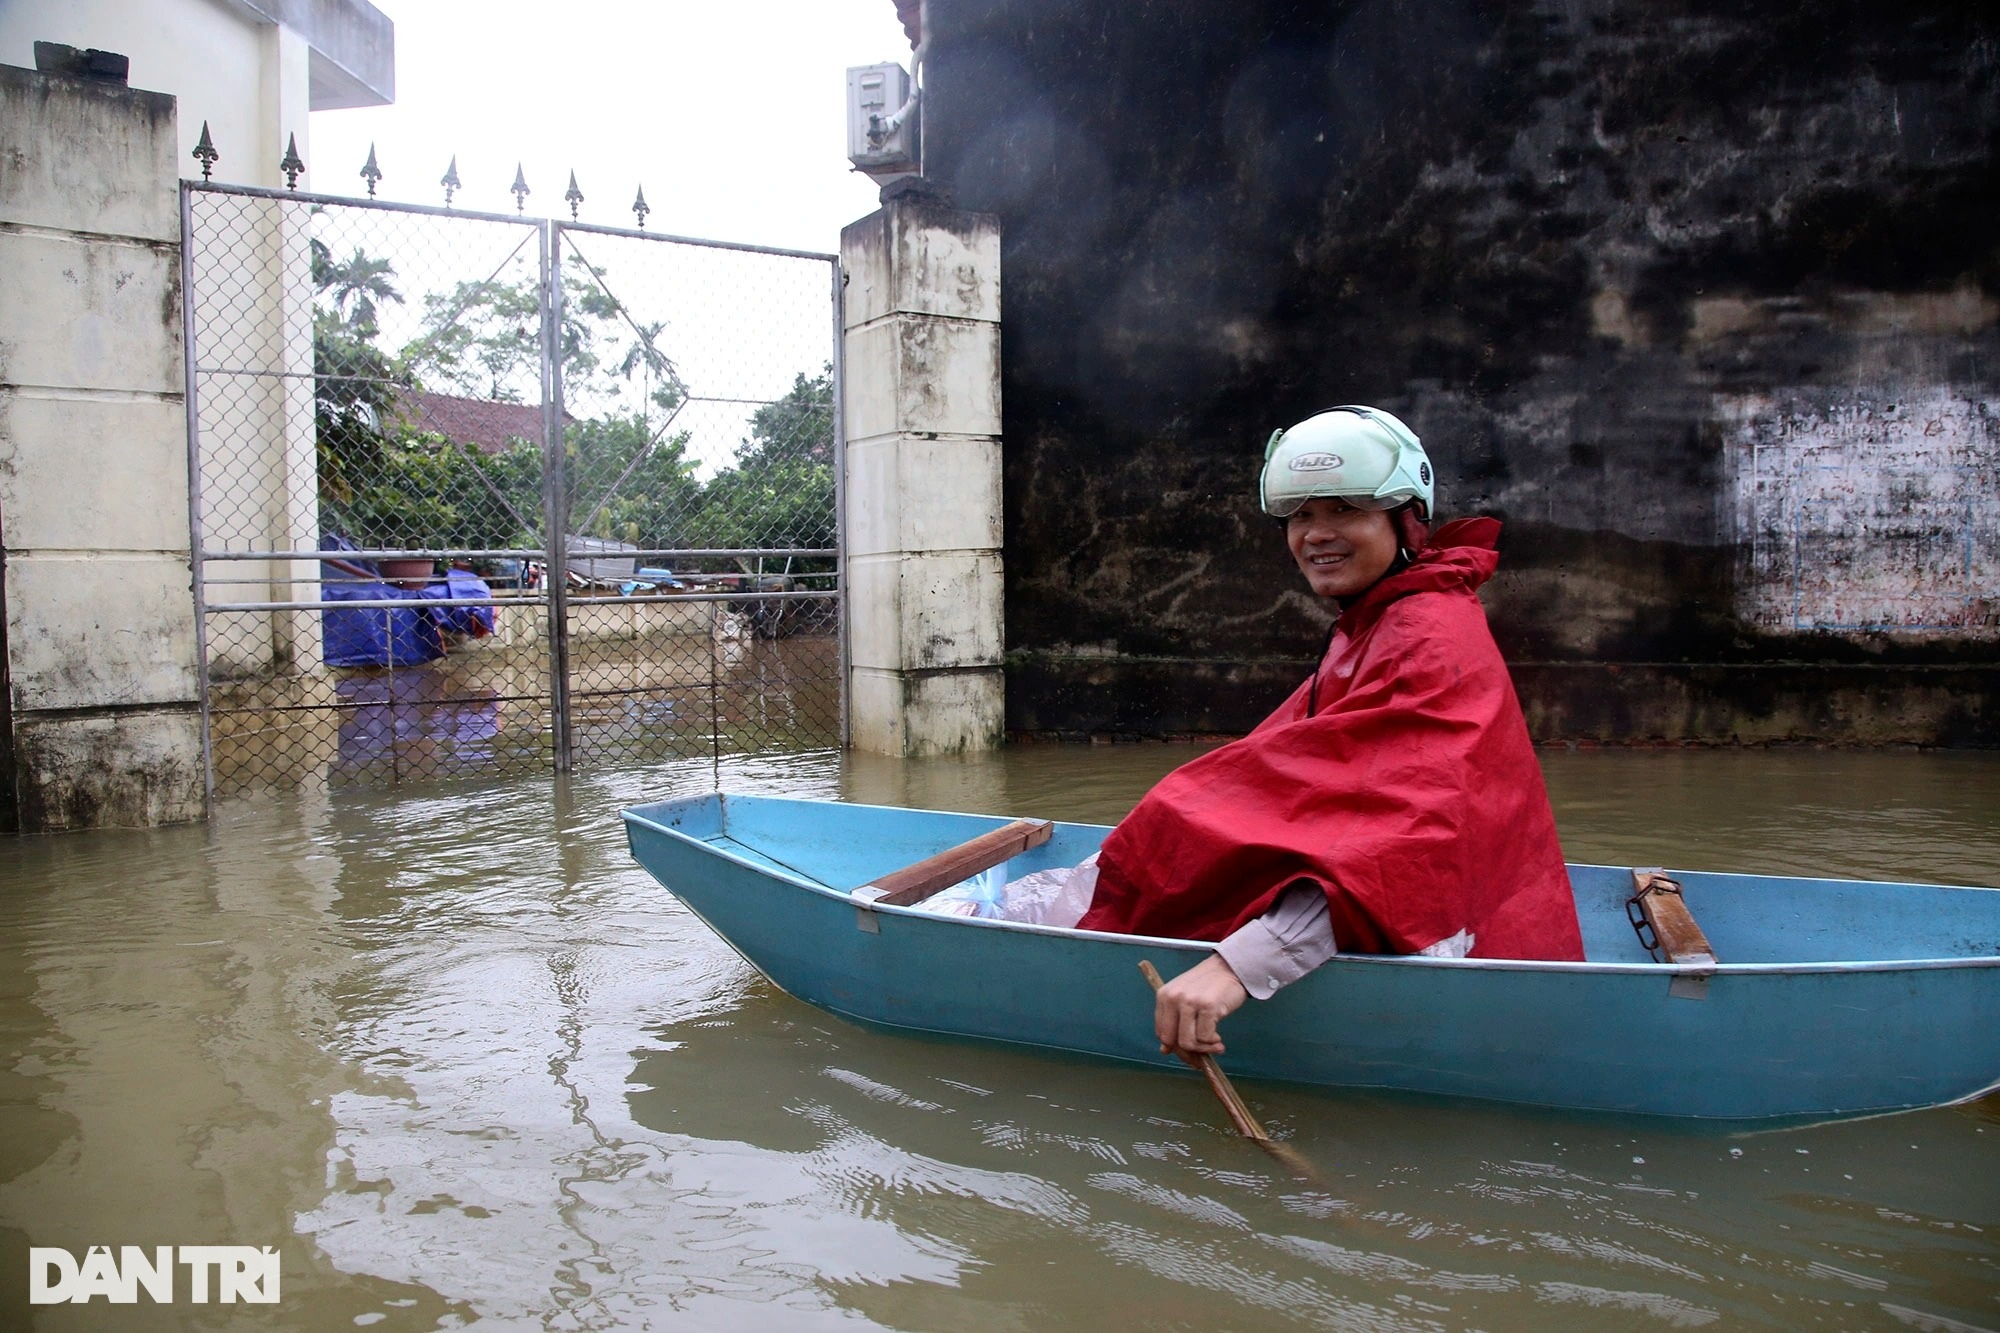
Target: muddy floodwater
pixel 454 1056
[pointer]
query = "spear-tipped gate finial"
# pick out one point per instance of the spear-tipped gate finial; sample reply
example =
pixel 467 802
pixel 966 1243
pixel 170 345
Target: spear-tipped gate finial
pixel 639 209
pixel 292 164
pixel 573 196
pixel 204 152
pixel 520 189
pixel 370 172
pixel 450 180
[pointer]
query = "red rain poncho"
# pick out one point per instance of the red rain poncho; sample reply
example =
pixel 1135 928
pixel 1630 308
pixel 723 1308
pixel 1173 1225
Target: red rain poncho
pixel 1410 796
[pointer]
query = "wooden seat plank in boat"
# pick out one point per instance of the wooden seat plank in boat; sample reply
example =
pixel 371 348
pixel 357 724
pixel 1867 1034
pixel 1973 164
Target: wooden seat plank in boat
pixel 914 883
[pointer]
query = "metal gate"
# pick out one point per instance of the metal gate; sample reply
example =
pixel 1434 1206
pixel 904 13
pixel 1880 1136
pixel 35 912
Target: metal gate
pixel 484 494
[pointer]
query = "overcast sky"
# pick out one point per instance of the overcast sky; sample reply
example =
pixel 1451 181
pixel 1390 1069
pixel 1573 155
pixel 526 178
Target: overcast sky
pixel 731 116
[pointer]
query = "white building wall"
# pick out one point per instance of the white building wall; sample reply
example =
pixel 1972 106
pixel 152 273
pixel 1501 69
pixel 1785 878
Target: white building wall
pixel 249 79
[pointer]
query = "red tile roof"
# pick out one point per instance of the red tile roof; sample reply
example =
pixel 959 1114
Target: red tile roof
pixel 488 426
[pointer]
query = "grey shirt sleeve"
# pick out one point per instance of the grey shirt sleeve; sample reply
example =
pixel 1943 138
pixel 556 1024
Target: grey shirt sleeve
pixel 1282 945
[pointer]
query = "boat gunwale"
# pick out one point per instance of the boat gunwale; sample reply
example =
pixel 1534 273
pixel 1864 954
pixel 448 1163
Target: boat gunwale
pixel 798 880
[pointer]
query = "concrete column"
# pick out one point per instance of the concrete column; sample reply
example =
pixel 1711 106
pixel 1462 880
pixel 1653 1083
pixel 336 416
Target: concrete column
pixel 921 405
pixel 294 445
pixel 100 643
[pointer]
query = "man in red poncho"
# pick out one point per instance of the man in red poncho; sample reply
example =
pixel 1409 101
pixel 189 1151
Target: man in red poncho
pixel 1393 804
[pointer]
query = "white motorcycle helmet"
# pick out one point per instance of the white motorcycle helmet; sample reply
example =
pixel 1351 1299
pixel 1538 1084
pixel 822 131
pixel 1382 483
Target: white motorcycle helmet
pixel 1358 454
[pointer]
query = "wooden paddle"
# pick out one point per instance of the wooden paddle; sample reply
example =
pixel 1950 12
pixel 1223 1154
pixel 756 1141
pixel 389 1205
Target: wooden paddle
pixel 1239 1114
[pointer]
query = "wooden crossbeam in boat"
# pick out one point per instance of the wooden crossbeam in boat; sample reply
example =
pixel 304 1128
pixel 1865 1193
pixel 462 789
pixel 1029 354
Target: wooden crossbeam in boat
pixel 1678 938
pixel 1657 905
pixel 914 883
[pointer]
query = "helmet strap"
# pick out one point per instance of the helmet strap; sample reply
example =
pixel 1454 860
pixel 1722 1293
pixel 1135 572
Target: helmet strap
pixel 1413 534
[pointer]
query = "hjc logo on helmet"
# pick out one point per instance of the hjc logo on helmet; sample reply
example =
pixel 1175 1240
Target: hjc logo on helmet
pixel 1317 462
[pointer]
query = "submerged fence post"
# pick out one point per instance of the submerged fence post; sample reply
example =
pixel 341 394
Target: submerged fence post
pixel 555 495
pixel 192 402
pixel 840 518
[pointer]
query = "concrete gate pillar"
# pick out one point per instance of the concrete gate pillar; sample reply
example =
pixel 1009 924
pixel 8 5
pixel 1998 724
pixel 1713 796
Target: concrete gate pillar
pixel 921 403
pixel 103 690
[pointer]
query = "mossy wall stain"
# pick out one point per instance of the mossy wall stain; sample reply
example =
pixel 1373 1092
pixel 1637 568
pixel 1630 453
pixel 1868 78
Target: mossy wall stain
pixel 1567 241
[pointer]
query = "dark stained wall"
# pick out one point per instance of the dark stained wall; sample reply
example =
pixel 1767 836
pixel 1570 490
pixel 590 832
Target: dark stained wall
pixel 1703 300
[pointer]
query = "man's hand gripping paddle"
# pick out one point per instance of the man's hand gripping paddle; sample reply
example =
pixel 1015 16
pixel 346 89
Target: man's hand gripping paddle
pixel 1246 1124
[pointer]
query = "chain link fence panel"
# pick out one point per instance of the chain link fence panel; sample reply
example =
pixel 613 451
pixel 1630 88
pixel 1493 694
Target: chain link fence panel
pixel 488 495
pixel 700 495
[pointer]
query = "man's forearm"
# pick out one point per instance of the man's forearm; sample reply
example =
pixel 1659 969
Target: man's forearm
pixel 1282 945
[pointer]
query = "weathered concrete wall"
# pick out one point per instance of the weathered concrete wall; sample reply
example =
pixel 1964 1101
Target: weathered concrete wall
pixel 101 674
pixel 1702 299
pixel 920 402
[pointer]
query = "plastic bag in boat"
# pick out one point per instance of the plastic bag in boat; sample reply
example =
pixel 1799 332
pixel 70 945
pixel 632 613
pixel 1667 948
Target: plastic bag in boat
pixel 1054 897
pixel 983 895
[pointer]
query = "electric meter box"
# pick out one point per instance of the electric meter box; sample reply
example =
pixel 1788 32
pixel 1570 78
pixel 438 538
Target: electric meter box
pixel 875 93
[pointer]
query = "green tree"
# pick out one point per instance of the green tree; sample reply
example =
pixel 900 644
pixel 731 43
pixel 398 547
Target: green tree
pixel 383 483
pixel 798 425
pixel 626 486
pixel 353 285
pixel 660 381
pixel 780 491
pixel 480 340
pixel 484 339
pixel 426 493
pixel 355 385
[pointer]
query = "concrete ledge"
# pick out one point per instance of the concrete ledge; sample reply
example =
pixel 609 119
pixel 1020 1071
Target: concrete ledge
pixel 82 313
pixel 127 768
pixel 927 713
pixel 353 47
pixel 1605 703
pixel 957 480
pixel 117 168
pixel 99 631
pixel 60 502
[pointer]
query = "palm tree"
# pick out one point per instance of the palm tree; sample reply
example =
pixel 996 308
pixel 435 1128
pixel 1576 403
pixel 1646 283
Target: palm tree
pixel 662 383
pixel 359 282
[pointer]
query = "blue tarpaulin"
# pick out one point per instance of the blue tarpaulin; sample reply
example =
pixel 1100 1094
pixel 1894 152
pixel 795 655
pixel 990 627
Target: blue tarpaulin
pixel 396 636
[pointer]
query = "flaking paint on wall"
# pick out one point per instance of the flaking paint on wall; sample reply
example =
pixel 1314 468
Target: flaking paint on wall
pixel 1867 513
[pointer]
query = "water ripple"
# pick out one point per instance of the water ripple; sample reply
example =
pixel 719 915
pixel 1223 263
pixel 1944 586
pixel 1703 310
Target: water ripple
pixel 462 1060
pixel 1667 1309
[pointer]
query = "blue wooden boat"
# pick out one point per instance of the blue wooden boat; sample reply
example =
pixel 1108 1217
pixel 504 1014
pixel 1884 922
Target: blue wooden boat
pixel 1832 997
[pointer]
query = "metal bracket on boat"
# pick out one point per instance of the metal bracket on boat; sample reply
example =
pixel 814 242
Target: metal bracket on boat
pixel 1690 985
pixel 864 911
